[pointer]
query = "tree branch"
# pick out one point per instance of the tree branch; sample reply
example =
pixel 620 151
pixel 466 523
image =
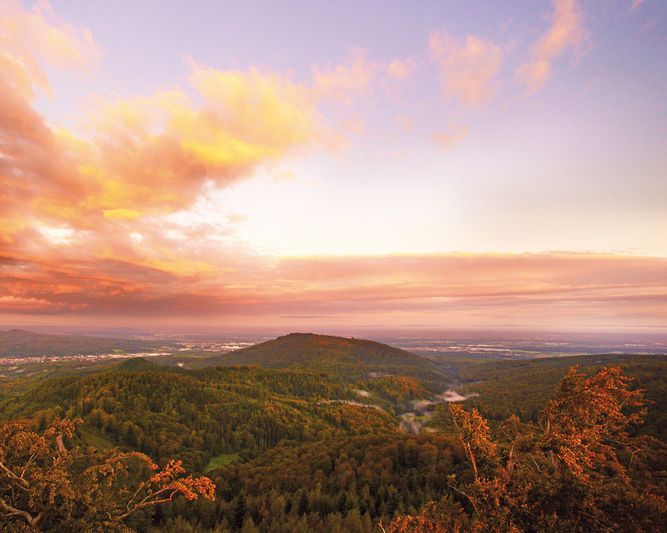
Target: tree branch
pixel 12 475
pixel 145 503
pixel 13 511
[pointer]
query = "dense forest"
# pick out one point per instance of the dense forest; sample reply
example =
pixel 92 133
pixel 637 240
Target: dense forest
pixel 523 388
pixel 307 435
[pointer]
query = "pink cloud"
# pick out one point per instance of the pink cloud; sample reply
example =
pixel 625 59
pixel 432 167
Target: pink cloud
pixel 531 289
pixel 468 68
pixel 343 81
pixel 399 69
pixel 565 32
pixel 41 34
pixel 447 140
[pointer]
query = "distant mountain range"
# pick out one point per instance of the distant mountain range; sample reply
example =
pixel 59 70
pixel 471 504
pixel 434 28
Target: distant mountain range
pixel 22 343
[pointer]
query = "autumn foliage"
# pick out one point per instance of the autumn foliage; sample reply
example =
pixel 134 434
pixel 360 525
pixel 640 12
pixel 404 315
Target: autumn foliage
pixel 581 468
pixel 46 486
pixel 583 465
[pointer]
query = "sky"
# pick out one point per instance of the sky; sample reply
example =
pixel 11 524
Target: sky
pixel 300 165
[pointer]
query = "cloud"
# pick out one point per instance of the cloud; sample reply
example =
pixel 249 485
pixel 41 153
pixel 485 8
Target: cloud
pixel 636 5
pixel 147 155
pixel 103 225
pixel 80 201
pixel 154 154
pixel 42 33
pixel 264 109
pixel 557 289
pixel 468 67
pixel 447 140
pixel 566 32
pixel 399 69
pixel 343 81
pixel 454 290
pixel 30 159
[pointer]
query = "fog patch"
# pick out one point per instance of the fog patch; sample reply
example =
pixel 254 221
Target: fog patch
pixel 450 396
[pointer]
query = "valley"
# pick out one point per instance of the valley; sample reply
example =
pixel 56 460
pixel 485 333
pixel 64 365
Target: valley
pixel 289 423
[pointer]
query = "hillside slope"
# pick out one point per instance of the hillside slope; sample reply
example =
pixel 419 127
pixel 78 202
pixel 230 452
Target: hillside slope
pixel 197 415
pixel 349 357
pixel 524 387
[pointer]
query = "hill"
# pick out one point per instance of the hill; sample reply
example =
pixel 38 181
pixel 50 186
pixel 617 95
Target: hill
pixel 199 415
pixel 307 435
pixel 350 358
pixel 502 388
pixel 21 343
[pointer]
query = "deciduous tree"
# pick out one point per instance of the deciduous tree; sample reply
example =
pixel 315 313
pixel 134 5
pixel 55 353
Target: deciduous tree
pixel 581 468
pixel 46 486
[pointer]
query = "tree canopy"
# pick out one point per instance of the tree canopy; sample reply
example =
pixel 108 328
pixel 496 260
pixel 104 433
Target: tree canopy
pixel 582 467
pixel 46 486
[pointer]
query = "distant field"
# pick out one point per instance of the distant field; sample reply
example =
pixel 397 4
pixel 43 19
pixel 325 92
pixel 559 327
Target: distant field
pixel 17 343
pixel 221 460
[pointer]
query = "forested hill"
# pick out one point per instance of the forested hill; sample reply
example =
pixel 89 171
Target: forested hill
pixel 197 415
pixel 524 387
pixel 349 357
pixel 300 387
pixel 318 443
pixel 21 343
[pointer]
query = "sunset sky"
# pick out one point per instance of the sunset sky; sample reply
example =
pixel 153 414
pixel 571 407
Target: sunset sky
pixel 305 165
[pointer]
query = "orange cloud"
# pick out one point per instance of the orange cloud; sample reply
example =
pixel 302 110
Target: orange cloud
pixel 105 198
pixel 144 157
pixel 109 194
pixel 449 290
pixel 89 225
pixel 265 110
pixel 154 154
pixel 30 159
pixel 566 31
pixel 468 68
pixel 41 33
